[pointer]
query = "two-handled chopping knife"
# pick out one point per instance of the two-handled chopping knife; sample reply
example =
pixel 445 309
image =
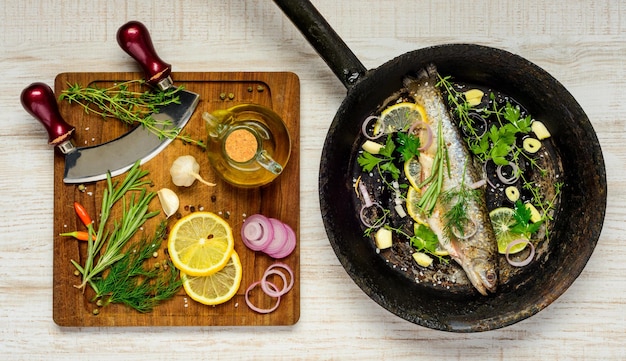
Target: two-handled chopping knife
pixel 89 164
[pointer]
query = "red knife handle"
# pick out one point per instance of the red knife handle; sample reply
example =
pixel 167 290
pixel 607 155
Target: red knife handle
pixel 134 39
pixel 40 102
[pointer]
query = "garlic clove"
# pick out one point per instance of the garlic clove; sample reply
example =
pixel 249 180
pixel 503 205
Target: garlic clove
pixel 169 201
pixel 184 171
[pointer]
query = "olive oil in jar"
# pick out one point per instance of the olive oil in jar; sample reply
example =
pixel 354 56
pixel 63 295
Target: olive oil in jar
pixel 248 145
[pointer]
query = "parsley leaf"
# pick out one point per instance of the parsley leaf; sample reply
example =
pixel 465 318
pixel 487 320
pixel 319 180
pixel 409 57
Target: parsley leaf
pixel 408 145
pixel 424 239
pixel 385 162
pixel 368 161
pixel 523 224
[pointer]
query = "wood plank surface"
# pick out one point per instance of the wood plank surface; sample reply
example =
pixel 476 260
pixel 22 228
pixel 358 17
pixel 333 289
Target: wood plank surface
pixel 278 91
pixel 581 43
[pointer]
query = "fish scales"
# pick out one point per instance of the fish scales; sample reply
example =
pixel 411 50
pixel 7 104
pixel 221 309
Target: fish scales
pixel 476 254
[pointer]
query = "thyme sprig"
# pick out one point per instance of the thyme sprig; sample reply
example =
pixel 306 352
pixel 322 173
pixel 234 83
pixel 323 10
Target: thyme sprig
pixel 460 107
pixel 107 246
pixel 131 106
pixel 132 282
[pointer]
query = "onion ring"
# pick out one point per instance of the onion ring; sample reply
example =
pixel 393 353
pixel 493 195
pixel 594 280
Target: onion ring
pixel 289 246
pixel 258 309
pixel 280 237
pixel 524 262
pixel 257 232
pixel 469 234
pixel 265 283
pixel 513 178
pixel 366 122
pixel 379 222
pixel 478 184
pixel 271 270
pixel 429 133
pixel 367 204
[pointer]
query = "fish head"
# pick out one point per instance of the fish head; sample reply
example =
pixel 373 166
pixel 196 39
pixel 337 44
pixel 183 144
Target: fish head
pixel 482 273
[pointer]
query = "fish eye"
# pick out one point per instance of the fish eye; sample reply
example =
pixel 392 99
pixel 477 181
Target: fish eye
pixel 491 276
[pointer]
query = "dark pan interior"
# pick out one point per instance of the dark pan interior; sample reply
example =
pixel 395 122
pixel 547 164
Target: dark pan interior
pixel 577 226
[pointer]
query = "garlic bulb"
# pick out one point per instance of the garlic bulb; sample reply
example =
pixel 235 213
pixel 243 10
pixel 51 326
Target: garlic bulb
pixel 184 171
pixel 169 201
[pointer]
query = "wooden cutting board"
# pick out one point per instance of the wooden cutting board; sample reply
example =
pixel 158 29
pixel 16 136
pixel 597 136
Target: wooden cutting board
pixel 279 91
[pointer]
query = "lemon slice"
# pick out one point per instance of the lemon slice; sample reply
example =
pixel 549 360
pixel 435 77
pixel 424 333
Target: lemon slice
pixel 399 117
pixel 218 287
pixel 412 199
pixel 412 171
pixel 502 220
pixel 200 244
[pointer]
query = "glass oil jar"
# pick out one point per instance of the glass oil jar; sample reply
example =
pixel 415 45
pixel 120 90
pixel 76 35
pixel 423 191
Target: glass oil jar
pixel 248 145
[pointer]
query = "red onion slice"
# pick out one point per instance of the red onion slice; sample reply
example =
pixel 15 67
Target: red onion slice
pixel 257 232
pixel 258 309
pixel 280 237
pixel 364 126
pixel 514 174
pixel 367 203
pixel 478 184
pixel 525 261
pixel 429 134
pixel 286 286
pixel 289 246
pixel 472 230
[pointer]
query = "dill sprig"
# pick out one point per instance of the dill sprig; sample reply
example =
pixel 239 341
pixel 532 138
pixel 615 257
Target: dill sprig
pixel 131 105
pixel 457 199
pixel 132 282
pixel 106 247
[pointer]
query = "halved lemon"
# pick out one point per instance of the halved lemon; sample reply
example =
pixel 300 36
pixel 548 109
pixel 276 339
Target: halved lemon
pixel 399 117
pixel 502 220
pixel 218 287
pixel 200 244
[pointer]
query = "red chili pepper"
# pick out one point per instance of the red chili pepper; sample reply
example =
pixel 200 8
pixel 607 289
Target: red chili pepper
pixel 79 235
pixel 82 214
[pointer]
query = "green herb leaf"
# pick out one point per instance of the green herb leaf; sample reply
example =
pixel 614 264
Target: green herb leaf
pixel 368 161
pixel 523 224
pixel 409 145
pixel 424 239
pixel 133 282
pixel 130 102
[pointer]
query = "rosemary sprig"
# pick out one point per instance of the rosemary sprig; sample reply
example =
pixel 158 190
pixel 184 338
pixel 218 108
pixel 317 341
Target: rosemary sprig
pixel 131 107
pixel 106 247
pixel 131 282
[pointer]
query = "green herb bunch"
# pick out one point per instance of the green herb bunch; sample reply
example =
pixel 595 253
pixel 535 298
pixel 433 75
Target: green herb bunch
pixel 131 104
pixel 107 246
pixel 133 282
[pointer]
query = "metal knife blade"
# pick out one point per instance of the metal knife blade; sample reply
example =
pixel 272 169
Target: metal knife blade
pixel 117 156
pixel 89 164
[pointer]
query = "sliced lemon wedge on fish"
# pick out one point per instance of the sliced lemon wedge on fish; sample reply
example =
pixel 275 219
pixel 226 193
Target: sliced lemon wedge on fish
pixel 413 171
pixel 399 117
pixel 502 220
pixel 412 198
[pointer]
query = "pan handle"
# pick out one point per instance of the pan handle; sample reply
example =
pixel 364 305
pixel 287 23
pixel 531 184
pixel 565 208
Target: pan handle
pixel 324 39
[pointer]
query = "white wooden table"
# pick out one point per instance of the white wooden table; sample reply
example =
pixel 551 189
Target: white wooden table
pixel 581 43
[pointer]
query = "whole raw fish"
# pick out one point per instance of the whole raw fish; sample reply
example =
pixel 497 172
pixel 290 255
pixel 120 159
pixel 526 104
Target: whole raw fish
pixel 476 252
